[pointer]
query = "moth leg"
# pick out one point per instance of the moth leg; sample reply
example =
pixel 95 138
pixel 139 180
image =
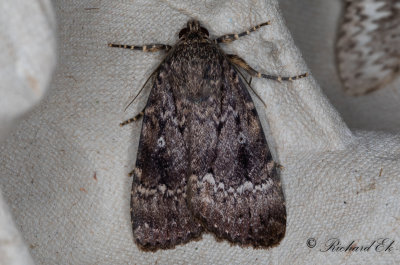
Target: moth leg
pixel 138 116
pixel 145 48
pixel 239 62
pixel 231 37
pixel 130 174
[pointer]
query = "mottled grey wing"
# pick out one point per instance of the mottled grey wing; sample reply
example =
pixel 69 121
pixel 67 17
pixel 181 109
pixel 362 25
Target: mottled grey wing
pixel 160 216
pixel 237 193
pixel 368 45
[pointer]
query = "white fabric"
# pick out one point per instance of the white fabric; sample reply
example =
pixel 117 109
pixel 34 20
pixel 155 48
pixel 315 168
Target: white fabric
pixel 27 59
pixel 63 170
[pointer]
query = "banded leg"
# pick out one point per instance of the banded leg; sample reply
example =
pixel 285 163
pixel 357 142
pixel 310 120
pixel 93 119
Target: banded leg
pixel 231 37
pixel 145 48
pixel 130 174
pixel 239 62
pixel 138 116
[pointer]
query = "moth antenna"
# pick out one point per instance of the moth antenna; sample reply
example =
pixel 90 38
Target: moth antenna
pixel 248 83
pixel 140 91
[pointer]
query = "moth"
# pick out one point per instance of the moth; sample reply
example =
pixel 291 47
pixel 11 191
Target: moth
pixel 203 163
pixel 368 45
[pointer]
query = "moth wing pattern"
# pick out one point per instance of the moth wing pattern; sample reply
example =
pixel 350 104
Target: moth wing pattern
pixel 368 45
pixel 238 196
pixel 160 216
pixel 203 162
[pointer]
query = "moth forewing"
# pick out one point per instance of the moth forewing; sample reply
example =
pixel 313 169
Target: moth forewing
pixel 203 162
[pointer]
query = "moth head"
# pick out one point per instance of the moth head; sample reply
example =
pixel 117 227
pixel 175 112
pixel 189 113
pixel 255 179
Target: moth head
pixel 193 31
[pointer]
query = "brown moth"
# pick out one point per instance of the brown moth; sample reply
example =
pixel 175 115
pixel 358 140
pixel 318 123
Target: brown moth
pixel 203 163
